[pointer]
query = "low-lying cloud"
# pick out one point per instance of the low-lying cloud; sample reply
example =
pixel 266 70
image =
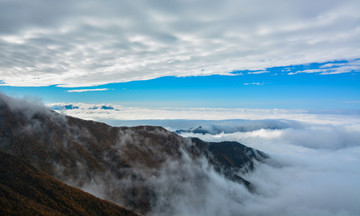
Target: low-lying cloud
pixel 132 116
pixel 312 137
pixel 314 170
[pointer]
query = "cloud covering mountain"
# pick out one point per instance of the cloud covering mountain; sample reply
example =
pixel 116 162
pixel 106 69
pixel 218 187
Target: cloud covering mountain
pixel 315 156
pixel 316 169
pixel 147 169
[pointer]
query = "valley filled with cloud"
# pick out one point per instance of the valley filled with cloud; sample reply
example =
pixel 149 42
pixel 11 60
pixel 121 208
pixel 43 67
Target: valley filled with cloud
pixel 313 169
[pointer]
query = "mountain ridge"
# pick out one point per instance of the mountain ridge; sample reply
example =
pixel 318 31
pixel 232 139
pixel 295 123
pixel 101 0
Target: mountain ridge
pixel 120 164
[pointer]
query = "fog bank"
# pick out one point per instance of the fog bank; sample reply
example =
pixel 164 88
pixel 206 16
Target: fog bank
pixel 314 170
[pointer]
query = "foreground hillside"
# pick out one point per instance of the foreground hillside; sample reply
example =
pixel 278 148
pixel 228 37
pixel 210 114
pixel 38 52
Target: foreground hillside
pixel 142 168
pixel 25 190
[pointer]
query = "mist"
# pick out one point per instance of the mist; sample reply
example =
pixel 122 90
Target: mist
pixel 313 170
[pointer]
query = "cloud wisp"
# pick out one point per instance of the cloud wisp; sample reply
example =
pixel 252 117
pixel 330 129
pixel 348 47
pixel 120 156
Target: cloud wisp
pixel 255 83
pixel 258 72
pixel 333 68
pixel 87 90
pixel 80 45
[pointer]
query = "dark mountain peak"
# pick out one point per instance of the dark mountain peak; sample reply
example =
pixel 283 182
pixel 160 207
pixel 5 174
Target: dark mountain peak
pixel 198 130
pixel 231 154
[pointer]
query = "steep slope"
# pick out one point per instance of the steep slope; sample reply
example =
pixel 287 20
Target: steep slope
pixel 25 190
pixel 230 158
pixel 230 155
pixel 121 164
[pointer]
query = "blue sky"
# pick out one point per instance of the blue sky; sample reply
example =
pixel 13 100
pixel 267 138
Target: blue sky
pixel 247 54
pixel 274 88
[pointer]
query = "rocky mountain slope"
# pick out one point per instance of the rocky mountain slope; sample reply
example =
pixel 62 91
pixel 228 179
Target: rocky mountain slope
pixel 129 166
pixel 25 190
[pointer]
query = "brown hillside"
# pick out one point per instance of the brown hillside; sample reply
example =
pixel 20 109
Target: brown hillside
pixel 25 190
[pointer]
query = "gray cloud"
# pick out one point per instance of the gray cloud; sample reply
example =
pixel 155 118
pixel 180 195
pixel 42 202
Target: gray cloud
pixel 71 43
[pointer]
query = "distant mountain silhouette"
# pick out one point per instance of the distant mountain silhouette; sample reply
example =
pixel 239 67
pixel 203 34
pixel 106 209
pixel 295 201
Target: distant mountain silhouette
pixel 115 163
pixel 238 125
pixel 198 130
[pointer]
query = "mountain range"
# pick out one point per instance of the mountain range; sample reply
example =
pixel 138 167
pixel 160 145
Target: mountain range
pixel 140 168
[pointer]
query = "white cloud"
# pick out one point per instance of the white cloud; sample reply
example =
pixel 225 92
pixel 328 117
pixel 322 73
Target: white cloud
pixel 123 113
pixel 275 141
pixel 258 72
pixel 254 83
pixel 88 90
pixel 91 44
pixel 314 170
pixel 334 68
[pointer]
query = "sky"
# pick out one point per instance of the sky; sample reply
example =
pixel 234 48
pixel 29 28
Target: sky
pixel 183 64
pixel 216 54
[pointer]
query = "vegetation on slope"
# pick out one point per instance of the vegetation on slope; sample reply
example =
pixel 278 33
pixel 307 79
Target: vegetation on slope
pixel 25 190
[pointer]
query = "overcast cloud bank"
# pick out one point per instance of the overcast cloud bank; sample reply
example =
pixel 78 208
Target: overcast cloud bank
pixel 97 43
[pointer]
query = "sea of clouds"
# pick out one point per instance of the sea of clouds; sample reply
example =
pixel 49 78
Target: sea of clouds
pixel 314 167
pixel 317 169
pixel 314 170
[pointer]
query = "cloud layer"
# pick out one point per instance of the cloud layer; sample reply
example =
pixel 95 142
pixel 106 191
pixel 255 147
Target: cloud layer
pixel 314 166
pixel 314 170
pixel 121 115
pixel 72 44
